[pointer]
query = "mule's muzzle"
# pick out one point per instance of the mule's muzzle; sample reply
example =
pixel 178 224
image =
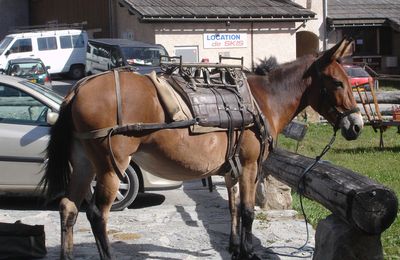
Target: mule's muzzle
pixel 351 126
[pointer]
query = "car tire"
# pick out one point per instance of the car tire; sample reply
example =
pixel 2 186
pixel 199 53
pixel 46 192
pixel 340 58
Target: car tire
pixel 76 72
pixel 127 191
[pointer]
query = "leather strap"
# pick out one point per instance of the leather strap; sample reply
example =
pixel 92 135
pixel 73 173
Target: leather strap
pixel 118 95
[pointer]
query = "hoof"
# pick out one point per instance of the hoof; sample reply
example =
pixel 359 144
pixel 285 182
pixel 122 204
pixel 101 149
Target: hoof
pixel 236 257
pixel 255 257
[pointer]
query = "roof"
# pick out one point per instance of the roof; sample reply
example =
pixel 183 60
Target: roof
pixel 346 13
pixel 218 10
pixel 24 60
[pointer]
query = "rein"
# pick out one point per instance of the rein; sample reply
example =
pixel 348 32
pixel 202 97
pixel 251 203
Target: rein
pixel 301 190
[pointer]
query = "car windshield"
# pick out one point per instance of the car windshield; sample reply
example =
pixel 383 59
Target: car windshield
pixel 145 56
pixel 357 72
pixel 4 44
pixel 44 91
pixel 26 69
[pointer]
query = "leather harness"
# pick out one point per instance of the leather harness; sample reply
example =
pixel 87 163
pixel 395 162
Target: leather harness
pixel 232 157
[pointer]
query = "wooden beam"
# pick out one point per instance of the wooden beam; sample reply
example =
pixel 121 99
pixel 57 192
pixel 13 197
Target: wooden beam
pixel 358 200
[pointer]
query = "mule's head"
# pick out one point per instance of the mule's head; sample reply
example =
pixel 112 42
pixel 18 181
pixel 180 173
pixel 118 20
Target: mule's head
pixel 332 95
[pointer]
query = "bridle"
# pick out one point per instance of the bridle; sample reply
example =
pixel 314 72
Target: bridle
pixel 324 96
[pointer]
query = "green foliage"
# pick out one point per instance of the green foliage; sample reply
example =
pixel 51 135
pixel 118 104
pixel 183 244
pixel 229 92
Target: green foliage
pixel 363 156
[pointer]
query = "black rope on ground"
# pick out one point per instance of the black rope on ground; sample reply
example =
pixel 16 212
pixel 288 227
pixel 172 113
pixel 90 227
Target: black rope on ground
pixel 308 251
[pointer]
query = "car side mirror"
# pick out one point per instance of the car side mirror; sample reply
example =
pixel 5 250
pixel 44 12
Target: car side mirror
pixel 2 71
pixel 52 117
pixel 48 67
pixel 7 53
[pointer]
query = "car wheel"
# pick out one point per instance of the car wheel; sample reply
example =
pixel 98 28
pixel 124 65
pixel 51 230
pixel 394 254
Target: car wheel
pixel 127 192
pixel 77 72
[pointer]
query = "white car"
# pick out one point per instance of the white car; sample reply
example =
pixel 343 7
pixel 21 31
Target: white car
pixel 27 111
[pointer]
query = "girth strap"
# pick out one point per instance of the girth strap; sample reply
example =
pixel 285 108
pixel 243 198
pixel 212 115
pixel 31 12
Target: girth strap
pixel 121 175
pixel 118 95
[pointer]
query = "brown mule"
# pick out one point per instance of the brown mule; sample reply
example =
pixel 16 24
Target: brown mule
pixel 175 153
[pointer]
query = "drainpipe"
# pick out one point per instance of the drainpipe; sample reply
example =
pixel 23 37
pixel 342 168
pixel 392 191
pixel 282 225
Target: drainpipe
pixel 252 46
pixel 110 18
pixel 325 15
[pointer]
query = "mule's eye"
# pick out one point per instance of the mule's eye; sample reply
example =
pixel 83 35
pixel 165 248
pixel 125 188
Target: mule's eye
pixel 338 83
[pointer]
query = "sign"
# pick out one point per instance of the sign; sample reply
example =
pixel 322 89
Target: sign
pixel 224 40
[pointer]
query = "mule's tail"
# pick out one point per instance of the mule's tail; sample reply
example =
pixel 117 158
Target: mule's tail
pixel 57 168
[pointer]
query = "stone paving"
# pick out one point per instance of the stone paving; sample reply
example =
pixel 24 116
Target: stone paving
pixel 185 223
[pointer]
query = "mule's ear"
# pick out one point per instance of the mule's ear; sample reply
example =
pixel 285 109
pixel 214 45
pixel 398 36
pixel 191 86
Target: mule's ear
pixel 345 49
pixel 340 50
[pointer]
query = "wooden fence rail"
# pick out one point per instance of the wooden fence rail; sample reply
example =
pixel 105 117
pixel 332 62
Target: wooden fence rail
pixel 359 201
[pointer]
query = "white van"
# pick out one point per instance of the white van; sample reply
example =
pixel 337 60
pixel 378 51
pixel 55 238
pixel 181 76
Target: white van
pixel 63 50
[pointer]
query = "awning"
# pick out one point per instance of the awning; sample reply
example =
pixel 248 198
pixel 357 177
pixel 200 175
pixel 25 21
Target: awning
pixel 334 23
pixel 341 23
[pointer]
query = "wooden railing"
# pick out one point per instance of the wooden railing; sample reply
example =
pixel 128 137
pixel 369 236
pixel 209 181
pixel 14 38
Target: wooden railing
pixel 367 207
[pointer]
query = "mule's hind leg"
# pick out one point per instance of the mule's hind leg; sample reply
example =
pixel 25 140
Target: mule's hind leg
pixel 99 208
pixel 76 191
pixel 68 215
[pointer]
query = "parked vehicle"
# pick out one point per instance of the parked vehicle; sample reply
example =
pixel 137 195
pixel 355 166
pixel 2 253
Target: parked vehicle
pixel 32 69
pixel 106 54
pixel 27 110
pixel 359 77
pixel 64 50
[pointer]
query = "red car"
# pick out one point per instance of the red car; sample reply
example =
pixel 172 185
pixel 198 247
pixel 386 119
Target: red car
pixel 359 77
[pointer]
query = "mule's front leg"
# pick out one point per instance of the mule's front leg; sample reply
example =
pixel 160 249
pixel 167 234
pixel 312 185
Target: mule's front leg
pixel 234 203
pixel 247 184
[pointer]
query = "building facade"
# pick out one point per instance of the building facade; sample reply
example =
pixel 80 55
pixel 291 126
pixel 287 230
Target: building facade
pixel 199 36
pixel 375 28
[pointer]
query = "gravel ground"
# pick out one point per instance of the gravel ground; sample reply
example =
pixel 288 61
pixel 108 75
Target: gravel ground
pixel 185 223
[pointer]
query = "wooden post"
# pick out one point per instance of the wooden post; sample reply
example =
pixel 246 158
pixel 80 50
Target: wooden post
pixel 358 200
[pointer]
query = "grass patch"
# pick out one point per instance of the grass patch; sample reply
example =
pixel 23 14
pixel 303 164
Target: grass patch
pixel 363 156
pixel 389 85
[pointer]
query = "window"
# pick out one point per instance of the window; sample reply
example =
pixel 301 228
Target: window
pixel 65 42
pixel 143 55
pixel 103 52
pixel 188 53
pixel 21 45
pixel 4 43
pixel 47 43
pixel 76 41
pixel 17 107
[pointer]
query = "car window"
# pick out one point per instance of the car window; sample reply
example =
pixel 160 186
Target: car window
pixel 148 56
pixel 359 72
pixel 68 41
pixel 47 43
pixel 78 41
pixel 26 69
pixel 44 91
pixel 4 43
pixel 21 45
pixel 17 107
pixel 356 72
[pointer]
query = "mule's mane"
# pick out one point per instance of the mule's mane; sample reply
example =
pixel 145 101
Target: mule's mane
pixel 287 75
pixel 266 65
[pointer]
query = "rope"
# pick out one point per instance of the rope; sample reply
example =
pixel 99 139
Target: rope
pixel 308 251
